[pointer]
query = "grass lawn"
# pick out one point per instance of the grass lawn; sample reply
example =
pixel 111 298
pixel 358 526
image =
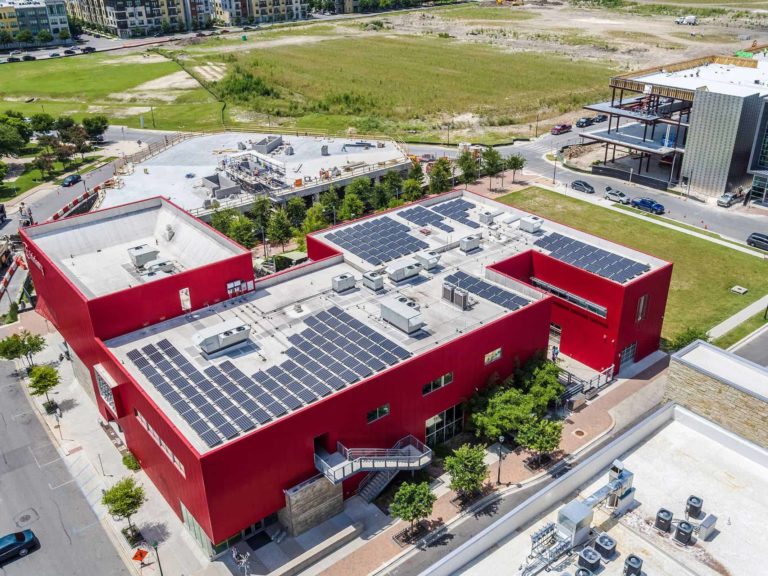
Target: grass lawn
pixel 410 78
pixel 703 272
pixel 741 331
pixel 486 13
pixel 32 177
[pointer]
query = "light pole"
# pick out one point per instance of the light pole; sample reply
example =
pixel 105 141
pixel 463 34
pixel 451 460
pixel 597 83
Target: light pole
pixel 160 566
pixel 498 476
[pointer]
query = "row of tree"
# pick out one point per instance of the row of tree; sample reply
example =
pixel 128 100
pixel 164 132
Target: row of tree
pixel 490 163
pixel 25 36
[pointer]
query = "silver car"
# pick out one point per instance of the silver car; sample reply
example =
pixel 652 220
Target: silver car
pixel 616 196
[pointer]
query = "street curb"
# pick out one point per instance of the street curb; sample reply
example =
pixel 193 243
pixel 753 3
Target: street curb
pixel 748 337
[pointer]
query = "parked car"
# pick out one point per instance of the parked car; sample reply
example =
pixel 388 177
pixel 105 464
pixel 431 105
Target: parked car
pixel 28 57
pixel 647 205
pixel 616 196
pixel 71 180
pixel 583 122
pixel 54 55
pixel 69 52
pixel 199 35
pixel 96 35
pixel 729 199
pixel 561 129
pixel 689 20
pixel 88 49
pixel 13 59
pixel 17 544
pixel 581 186
pixel 599 118
pixel 247 28
pixel 16 53
pixel 758 240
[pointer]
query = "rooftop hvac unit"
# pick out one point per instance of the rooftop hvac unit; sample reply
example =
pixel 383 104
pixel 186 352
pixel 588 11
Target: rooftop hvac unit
pixel 663 520
pixel 428 260
pixel 403 270
pixel 707 527
pixel 159 265
pixel 142 254
pixel 487 217
pixel 531 224
pixel 605 546
pixel 289 150
pixel 324 150
pixel 469 243
pixel 222 336
pixel 342 282
pixel 684 532
pixel 509 219
pixel 582 572
pixel 633 566
pixel 589 559
pixel 403 313
pixel 374 280
pixel 448 291
pixel 153 275
pixel 693 507
pixel 461 298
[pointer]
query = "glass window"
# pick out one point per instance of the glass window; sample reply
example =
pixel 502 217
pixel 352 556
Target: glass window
pixel 642 308
pixel 492 356
pixel 159 441
pixel 378 413
pixel 445 425
pixel 437 383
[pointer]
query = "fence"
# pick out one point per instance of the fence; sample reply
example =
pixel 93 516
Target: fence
pixel 575 385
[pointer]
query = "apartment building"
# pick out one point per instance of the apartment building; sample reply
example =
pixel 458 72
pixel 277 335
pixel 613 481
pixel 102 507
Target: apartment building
pixel 33 15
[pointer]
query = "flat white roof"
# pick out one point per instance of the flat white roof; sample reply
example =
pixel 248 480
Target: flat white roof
pixel 719 78
pixel 740 372
pixel 668 467
pixel 93 250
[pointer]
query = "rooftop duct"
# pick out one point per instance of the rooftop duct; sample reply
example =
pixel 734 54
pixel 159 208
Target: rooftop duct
pixel 223 335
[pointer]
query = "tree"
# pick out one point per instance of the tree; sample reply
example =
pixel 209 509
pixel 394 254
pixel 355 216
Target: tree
pixel 261 213
pixel 412 190
pixel 505 412
pixel 412 502
pixel 31 344
pixel 64 35
pixel 468 165
pixel 44 163
pixel 95 126
pixel 64 153
pixel 3 171
pixel 689 335
pixel 393 181
pixel 416 173
pixel 296 210
pixel 540 436
pixel 314 220
pixel 43 379
pixel 12 347
pixel 42 122
pixel 5 37
pixel 24 36
pixel 351 207
pixel 516 162
pixel 165 26
pixel 467 469
pixel 492 163
pixel 330 202
pixel 11 142
pixel 124 499
pixel 279 230
pixel 64 122
pixel 222 219
pixel 381 196
pixel 440 176
pixel 44 36
pixel 362 188
pixel 242 231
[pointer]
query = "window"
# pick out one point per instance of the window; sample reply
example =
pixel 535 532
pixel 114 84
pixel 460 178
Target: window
pixel 159 441
pixel 445 425
pixel 642 308
pixel 569 297
pixel 378 413
pixel 491 357
pixel 105 390
pixel 437 383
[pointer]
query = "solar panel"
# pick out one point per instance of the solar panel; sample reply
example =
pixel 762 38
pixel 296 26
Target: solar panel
pixel 591 258
pixel 483 289
pixel 372 240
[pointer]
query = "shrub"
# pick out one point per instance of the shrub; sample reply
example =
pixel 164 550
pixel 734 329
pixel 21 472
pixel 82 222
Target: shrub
pixel 130 462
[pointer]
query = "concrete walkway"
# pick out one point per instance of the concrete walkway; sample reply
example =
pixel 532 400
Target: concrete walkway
pixel 742 315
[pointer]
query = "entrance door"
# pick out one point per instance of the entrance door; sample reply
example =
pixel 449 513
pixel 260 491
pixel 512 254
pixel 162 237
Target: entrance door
pixel 627 357
pixel 555 332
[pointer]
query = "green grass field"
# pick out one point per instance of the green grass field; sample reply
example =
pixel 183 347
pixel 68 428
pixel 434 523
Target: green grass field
pixel 498 13
pixel 741 331
pixel 412 79
pixel 703 272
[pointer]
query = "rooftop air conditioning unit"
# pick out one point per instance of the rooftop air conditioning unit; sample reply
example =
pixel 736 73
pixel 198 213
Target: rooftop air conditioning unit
pixel 403 270
pixel 469 243
pixel 374 280
pixel 403 313
pixel 461 298
pixel 428 260
pixel 142 254
pixel 154 275
pixel 448 290
pixel 342 282
pixel 222 336
pixel 488 216
pixel 589 559
pixel 531 224
pixel 159 265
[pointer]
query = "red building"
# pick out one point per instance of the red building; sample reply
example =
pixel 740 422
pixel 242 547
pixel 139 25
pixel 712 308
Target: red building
pixel 248 401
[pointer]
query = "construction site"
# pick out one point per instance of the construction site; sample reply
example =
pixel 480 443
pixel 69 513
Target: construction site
pixel 230 170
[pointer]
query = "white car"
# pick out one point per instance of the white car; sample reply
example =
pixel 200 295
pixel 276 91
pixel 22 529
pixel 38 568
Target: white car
pixel 616 196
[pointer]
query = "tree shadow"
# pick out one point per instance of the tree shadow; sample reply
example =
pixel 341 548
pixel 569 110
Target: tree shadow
pixel 155 532
pixel 67 404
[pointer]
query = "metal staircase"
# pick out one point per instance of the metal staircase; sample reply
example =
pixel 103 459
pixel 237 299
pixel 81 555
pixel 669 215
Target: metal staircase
pixel 374 484
pixel 407 454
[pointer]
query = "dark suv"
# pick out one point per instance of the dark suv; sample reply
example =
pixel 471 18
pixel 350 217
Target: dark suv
pixel 648 205
pixel 581 186
pixel 758 240
pixel 583 122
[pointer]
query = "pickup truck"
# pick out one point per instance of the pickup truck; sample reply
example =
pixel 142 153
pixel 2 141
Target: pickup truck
pixel 561 129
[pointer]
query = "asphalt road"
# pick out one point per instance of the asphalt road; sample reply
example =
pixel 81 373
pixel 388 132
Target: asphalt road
pixel 38 492
pixel 734 222
pixel 755 350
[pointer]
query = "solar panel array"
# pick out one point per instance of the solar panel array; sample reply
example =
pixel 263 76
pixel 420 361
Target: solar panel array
pixel 423 217
pixel 486 290
pixel 377 241
pixel 456 210
pixel 220 403
pixel 592 259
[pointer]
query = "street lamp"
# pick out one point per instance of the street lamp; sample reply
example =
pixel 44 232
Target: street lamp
pixel 160 566
pixel 498 476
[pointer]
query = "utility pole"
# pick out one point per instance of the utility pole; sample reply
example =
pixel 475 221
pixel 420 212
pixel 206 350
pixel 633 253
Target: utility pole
pixel 498 476
pixel 159 566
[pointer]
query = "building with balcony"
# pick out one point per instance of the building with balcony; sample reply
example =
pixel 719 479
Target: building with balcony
pixel 129 18
pixel 251 401
pixel 34 15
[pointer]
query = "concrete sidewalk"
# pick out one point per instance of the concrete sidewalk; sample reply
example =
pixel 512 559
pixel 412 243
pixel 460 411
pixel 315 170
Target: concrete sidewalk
pixel 742 315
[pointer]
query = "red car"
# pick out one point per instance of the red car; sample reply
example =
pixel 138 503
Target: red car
pixel 561 129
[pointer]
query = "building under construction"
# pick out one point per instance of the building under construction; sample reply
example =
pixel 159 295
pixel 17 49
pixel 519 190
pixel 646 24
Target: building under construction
pixel 690 123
